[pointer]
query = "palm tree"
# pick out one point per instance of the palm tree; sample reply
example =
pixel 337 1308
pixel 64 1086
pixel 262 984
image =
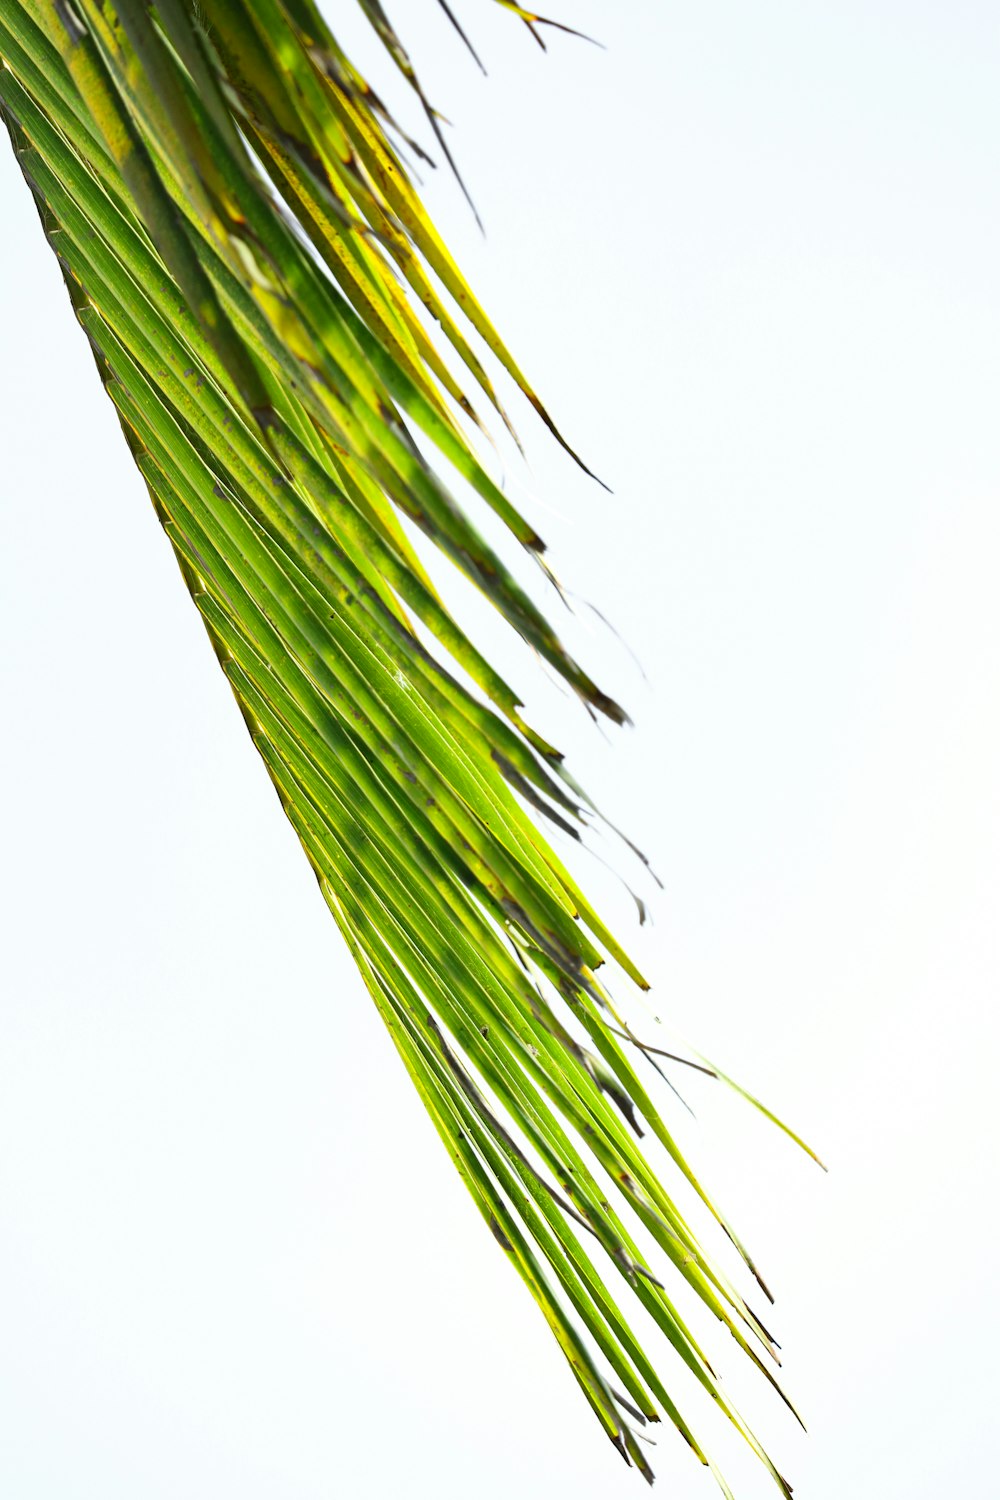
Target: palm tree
pixel 256 275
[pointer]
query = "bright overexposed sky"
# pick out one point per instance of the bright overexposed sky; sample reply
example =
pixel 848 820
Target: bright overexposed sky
pixel 748 254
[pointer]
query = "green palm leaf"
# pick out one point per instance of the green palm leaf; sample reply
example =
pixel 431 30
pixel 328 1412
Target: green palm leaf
pixel 246 254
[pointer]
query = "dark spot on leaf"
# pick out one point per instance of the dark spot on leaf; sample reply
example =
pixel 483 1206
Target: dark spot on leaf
pixel 499 1235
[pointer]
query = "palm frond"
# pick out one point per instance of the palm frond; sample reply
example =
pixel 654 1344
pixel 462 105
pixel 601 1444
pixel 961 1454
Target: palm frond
pixel 246 253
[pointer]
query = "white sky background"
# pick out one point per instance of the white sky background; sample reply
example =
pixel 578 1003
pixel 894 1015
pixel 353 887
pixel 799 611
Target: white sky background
pixel 749 254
